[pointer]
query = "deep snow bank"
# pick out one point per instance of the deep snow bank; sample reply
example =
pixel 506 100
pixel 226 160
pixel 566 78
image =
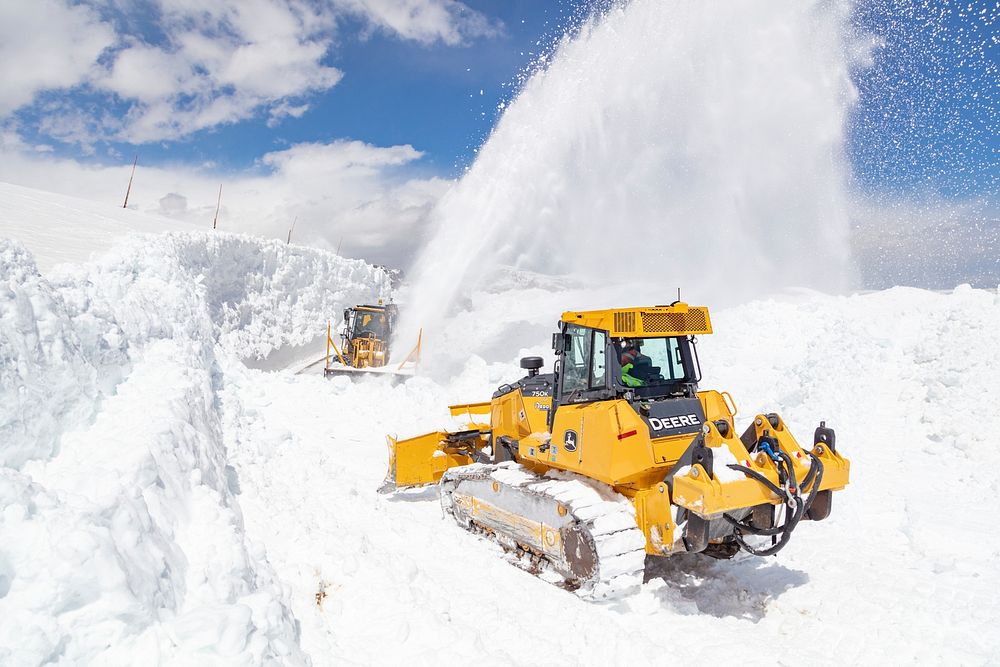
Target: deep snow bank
pixel 261 294
pixel 68 339
pixel 121 536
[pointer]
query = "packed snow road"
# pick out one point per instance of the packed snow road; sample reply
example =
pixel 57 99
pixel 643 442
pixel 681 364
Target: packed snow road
pixel 901 571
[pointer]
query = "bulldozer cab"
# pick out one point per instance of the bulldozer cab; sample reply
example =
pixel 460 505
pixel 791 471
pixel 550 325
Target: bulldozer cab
pixel 596 364
pixel 367 322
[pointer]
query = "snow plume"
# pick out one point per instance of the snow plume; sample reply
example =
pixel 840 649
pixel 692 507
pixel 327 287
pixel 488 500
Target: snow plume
pixel 121 534
pixel 666 144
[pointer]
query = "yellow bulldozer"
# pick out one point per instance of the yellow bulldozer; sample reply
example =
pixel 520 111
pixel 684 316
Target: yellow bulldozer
pixel 618 455
pixel 365 342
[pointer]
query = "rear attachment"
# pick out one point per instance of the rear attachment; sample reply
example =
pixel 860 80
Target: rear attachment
pixel 765 499
pixel 584 531
pixel 789 491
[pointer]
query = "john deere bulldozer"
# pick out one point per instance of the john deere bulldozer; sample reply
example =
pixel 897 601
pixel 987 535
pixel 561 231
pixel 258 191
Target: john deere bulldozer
pixel 365 341
pixel 618 455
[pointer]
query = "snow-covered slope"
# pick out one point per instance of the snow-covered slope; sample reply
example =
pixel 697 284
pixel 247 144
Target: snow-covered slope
pixel 58 228
pixel 121 533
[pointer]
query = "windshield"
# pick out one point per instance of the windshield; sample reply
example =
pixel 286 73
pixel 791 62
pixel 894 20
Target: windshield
pixel 370 324
pixel 652 362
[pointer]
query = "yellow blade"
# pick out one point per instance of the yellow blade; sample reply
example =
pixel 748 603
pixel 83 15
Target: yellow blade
pixel 421 460
pixel 477 415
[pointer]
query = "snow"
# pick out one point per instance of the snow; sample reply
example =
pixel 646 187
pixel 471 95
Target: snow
pixel 159 500
pixel 722 458
pixel 898 573
pixel 120 524
pixel 58 228
pixel 169 495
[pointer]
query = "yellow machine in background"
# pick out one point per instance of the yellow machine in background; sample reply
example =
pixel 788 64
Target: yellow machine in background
pixel 617 455
pixel 365 342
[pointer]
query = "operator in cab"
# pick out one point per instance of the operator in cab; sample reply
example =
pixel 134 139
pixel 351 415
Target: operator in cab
pixel 631 357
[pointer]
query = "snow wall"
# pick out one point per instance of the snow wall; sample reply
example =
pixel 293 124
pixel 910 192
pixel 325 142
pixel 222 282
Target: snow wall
pixel 120 528
pixel 666 144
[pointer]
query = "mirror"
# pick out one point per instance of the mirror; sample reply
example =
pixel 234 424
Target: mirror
pixel 560 342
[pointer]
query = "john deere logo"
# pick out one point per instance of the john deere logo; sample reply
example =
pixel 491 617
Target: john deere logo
pixel 664 423
pixel 570 441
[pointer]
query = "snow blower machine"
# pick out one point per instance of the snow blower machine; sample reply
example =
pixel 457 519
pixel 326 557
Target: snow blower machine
pixel 364 343
pixel 582 473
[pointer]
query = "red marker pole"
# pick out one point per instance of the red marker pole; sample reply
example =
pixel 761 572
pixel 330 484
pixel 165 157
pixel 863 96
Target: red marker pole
pixel 218 204
pixel 129 189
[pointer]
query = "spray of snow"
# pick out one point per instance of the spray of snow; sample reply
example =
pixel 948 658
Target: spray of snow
pixel 666 144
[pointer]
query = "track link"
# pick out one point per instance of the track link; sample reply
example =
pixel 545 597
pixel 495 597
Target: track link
pixel 584 531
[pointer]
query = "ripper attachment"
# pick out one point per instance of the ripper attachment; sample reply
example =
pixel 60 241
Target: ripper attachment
pixel 791 493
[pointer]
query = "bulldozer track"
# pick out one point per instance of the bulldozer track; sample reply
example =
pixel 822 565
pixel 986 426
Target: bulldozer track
pixel 576 527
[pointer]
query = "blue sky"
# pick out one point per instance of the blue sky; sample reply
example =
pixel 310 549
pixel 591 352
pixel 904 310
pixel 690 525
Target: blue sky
pixel 382 102
pixel 928 116
pixel 441 98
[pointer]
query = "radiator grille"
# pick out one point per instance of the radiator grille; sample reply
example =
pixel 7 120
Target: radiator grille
pixel 693 320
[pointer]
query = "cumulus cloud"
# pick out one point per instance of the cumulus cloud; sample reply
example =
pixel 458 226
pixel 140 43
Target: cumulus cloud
pixel 424 20
pixel 88 71
pixel 361 194
pixel 285 110
pixel 47 44
pixel 212 62
pixel 221 61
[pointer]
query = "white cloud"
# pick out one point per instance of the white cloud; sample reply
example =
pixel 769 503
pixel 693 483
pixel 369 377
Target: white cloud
pixel 44 45
pixel 345 189
pixel 424 21
pixel 320 161
pixel 216 62
pixel 285 110
pixel 222 61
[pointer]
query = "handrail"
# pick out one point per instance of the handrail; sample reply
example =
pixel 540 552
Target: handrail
pixel 329 344
pixel 730 403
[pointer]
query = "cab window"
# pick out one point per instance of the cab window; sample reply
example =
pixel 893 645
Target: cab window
pixel 666 355
pixel 599 366
pixel 576 359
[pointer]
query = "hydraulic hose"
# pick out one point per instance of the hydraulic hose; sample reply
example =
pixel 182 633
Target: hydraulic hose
pixel 792 499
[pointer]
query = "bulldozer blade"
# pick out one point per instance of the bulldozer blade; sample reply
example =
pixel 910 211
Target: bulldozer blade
pixel 422 460
pixel 351 371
